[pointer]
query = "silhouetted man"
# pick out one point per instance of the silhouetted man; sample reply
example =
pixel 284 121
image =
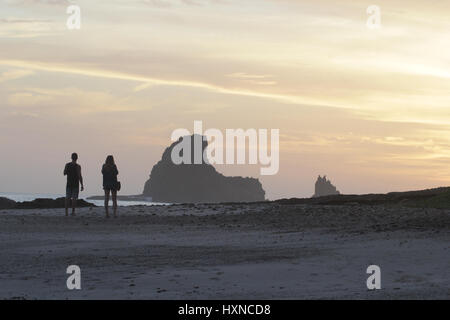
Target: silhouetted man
pixel 74 178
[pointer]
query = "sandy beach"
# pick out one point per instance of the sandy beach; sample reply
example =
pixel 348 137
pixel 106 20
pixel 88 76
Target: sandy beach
pixel 235 251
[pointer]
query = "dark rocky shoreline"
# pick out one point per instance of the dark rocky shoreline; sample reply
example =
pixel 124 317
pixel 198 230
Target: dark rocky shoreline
pixel 6 203
pixel 438 198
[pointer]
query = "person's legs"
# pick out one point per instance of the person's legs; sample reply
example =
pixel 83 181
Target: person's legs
pixel 74 205
pixel 74 200
pixel 66 203
pixel 67 206
pixel 106 202
pixel 114 199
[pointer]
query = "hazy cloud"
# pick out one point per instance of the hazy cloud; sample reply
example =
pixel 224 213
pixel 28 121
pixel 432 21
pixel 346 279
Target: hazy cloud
pixel 14 74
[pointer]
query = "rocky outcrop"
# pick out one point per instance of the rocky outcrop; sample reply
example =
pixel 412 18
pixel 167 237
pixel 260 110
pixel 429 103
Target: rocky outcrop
pixel 6 203
pixel 195 183
pixel 50 203
pixel 438 198
pixel 324 187
pixel 40 204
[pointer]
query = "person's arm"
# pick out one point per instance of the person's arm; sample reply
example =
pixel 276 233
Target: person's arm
pixel 80 177
pixel 65 170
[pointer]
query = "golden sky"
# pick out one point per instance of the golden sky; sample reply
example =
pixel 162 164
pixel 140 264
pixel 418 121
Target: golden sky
pixel 369 108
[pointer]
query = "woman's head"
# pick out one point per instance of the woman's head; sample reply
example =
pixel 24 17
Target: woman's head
pixel 109 160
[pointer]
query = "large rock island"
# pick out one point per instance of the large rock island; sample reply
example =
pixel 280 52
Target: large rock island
pixel 195 183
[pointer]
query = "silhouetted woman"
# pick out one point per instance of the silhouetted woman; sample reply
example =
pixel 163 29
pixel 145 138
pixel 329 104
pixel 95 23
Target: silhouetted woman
pixel 110 184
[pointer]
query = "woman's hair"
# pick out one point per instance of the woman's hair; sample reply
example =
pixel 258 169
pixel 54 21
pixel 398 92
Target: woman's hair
pixel 109 160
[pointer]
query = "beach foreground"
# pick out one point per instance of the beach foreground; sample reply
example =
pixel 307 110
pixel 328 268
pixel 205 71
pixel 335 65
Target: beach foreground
pixel 235 251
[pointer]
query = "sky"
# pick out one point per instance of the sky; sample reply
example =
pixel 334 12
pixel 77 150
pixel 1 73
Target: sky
pixel 367 107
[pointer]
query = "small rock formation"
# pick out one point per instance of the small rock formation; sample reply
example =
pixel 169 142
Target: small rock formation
pixel 44 203
pixel 40 204
pixel 198 183
pixel 324 187
pixel 6 203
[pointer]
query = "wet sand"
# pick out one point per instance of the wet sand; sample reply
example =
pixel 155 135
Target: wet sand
pixel 236 251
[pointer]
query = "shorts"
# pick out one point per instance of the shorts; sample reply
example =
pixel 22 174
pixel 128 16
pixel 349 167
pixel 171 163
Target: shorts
pixel 110 186
pixel 110 189
pixel 72 192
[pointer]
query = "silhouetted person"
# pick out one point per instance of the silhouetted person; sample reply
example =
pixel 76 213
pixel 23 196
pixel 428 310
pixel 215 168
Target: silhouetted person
pixel 110 183
pixel 74 178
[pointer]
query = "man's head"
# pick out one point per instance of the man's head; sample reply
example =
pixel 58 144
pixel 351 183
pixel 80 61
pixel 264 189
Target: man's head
pixel 74 156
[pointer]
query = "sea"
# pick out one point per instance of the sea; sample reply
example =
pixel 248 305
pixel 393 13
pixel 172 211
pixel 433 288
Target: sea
pixel 20 197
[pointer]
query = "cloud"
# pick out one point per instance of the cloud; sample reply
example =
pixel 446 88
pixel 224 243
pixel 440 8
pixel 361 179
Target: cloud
pixel 259 79
pixel 26 28
pixel 157 3
pixel 68 100
pixel 14 74
pixel 243 75
pixel 142 86
pixel 92 72
pixel 34 2
pixel 170 3
pixel 22 21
